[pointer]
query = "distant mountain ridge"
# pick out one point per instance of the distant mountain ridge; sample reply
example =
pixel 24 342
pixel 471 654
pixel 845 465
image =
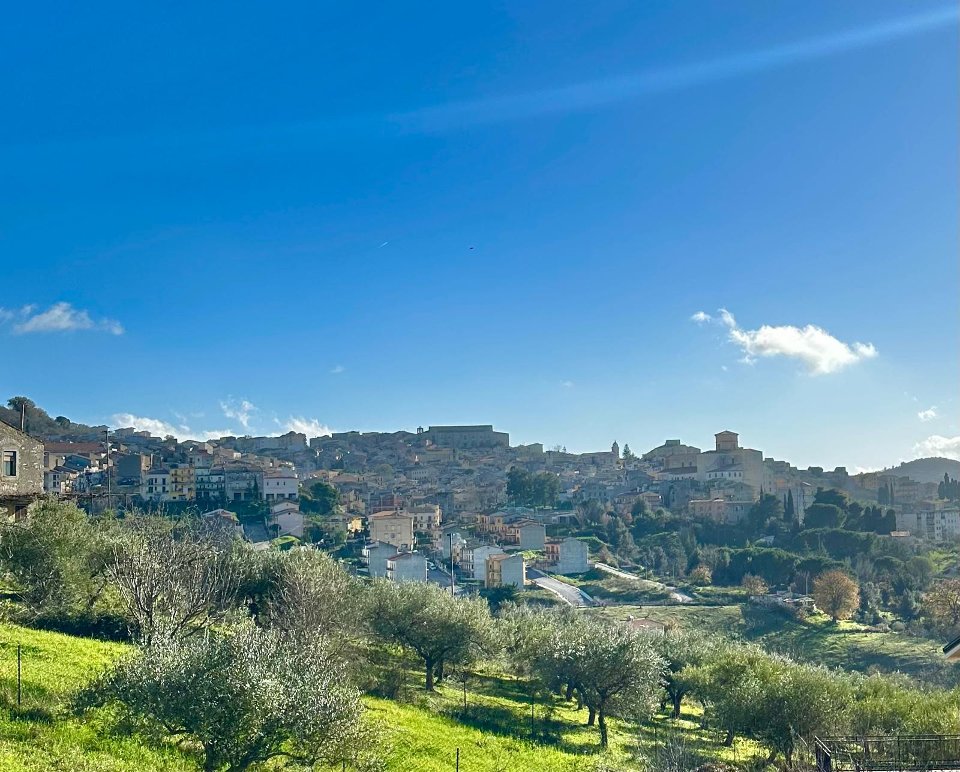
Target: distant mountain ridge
pixel 927 470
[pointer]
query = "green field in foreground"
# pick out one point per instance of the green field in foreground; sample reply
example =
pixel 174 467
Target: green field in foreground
pixel 847 644
pixel 39 736
pixel 494 733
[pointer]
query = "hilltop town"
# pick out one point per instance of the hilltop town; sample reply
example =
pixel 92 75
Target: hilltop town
pixel 451 496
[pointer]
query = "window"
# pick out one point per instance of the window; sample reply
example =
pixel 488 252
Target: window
pixel 10 463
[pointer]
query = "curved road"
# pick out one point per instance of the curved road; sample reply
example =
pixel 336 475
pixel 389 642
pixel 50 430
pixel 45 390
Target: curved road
pixel 566 592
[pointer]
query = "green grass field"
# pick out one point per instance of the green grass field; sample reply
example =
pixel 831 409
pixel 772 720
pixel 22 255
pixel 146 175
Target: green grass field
pixel 497 733
pixel 40 735
pixel 846 645
pixel 494 733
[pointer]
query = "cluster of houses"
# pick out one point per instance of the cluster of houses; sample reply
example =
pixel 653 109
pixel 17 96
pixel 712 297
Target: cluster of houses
pixel 493 549
pixel 462 469
pixel 440 478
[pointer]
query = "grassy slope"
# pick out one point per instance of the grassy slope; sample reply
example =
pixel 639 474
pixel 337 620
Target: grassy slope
pixel 847 645
pixel 616 588
pixel 493 734
pixel 39 736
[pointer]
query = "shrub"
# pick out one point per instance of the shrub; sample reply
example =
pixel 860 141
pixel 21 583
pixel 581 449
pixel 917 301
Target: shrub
pixel 243 697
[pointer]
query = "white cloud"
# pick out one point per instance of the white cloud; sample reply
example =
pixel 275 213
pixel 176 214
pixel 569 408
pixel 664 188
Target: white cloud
pixel 162 428
pixel 60 317
pixel 146 424
pixel 935 445
pixel 701 317
pixel 209 434
pixel 337 369
pixel 309 426
pixel 241 410
pixel 816 348
pixel 567 384
pixel 928 415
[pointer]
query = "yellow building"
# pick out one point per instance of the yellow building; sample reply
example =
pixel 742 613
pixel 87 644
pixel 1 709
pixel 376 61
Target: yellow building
pixel 183 484
pixel 392 528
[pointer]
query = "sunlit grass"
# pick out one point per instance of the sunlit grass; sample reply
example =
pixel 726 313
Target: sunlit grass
pixel 40 734
pixel 846 645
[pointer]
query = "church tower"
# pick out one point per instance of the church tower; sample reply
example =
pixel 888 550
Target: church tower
pixel 615 449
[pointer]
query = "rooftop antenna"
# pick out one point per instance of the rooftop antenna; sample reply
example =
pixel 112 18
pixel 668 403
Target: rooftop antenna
pixel 23 416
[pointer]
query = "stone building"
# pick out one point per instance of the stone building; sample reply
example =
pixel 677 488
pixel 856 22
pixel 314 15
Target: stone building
pixel 467 437
pixel 21 470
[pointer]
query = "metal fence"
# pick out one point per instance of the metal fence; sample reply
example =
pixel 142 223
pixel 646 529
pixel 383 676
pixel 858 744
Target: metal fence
pixel 890 752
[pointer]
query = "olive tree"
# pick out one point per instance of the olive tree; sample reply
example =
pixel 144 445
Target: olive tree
pixel 798 702
pixel 440 628
pixel 173 577
pixel 243 697
pixel 57 558
pixel 730 686
pixel 892 704
pixel 306 592
pixel 613 669
pixel 769 697
pixel 682 649
pixel 617 670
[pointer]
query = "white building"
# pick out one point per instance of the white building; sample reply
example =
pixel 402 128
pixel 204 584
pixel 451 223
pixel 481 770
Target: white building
pixel 407 567
pixel 286 519
pixel 278 486
pixel 506 571
pixel 568 556
pixel 527 534
pixel 473 560
pixel 155 485
pixel 59 480
pixel 931 524
pixel 376 555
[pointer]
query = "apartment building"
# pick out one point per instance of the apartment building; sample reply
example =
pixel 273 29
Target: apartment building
pixel 935 524
pixel 391 527
pixel 407 567
pixel 504 570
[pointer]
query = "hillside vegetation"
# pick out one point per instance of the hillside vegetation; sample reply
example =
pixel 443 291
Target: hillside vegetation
pixel 847 645
pixel 493 734
pixel 242 659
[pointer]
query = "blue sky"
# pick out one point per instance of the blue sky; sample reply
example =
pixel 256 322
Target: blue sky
pixel 234 217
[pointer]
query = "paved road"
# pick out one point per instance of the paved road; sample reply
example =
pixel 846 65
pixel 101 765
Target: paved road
pixel 675 594
pixel 568 593
pixel 438 576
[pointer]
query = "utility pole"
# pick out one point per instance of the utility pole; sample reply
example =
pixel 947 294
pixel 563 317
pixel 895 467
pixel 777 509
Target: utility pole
pixel 106 436
pixel 453 581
